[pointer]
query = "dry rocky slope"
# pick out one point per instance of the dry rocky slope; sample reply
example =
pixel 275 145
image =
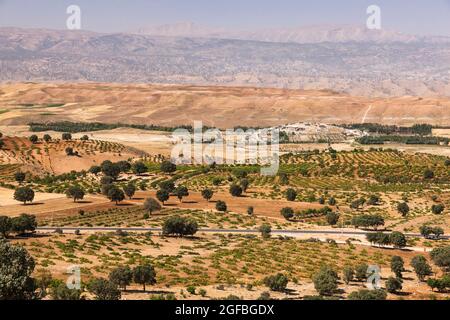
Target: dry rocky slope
pixel 365 65
pixel 221 107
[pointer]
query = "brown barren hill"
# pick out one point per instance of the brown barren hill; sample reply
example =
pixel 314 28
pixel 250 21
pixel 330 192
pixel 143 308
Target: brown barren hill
pixel 51 157
pixel 221 107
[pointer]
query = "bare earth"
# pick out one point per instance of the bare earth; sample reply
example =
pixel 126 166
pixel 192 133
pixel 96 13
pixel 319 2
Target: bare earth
pixel 221 107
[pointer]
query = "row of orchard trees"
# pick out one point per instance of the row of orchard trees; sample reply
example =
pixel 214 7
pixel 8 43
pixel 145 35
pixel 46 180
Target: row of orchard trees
pixel 326 280
pixel 17 281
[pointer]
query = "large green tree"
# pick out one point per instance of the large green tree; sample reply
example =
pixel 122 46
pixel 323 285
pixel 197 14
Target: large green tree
pixel 75 192
pixel 121 276
pixel 144 274
pixel 24 194
pixel 326 281
pixel 16 267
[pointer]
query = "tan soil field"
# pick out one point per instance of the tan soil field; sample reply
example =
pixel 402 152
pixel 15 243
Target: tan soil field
pixel 222 107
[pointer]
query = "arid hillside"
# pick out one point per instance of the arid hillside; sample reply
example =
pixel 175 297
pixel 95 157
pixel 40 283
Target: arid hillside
pixel 52 157
pixel 216 106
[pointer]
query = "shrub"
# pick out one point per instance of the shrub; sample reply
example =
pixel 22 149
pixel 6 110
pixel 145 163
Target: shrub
pixel 207 194
pixel 24 194
pixel 121 277
pixel 441 257
pixel 291 194
pixel 265 230
pixel 221 206
pixel 393 285
pixel 287 213
pixel 326 281
pixel 421 267
pixel 276 282
pixel 332 218
pixel 437 208
pixel 397 266
pixel 144 274
pixel 104 289
pixel 180 226
pixel 151 205
pixel 365 294
pixel 235 190
pixel 168 167
pixel 162 195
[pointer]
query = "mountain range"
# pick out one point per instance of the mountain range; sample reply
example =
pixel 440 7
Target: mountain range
pixel 304 34
pixel 343 60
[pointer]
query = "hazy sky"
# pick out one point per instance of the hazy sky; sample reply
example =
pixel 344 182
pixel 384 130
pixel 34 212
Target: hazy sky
pixel 409 16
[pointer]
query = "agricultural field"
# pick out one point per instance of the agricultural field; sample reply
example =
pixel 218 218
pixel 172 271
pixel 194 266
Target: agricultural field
pixel 217 231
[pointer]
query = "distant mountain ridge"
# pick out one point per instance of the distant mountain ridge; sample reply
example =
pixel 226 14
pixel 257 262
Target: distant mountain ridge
pixel 366 68
pixel 305 34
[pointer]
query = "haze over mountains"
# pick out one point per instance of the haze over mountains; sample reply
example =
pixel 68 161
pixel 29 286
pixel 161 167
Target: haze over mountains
pixel 306 34
pixel 345 59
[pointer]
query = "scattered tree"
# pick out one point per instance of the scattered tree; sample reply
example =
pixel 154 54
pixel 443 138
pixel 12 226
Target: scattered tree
pixel 34 139
pixel 116 195
pixel 47 138
pixel 66 136
pixel 437 208
pixel 421 267
pixel 361 272
pixel 265 230
pixel 5 226
pixel 221 206
pixel 24 194
pixel 397 239
pixel 181 192
pixel 168 167
pixel 162 195
pixel 139 168
pixel 348 274
pixel 291 194
pixel 441 257
pixel 287 213
pixel 326 281
pixel 180 226
pixel 235 190
pixel 364 294
pixel 393 285
pixel 16 267
pixel 19 177
pixel 129 190
pixel 207 194
pixel 151 205
pixel 121 277
pixel 144 274
pixel 397 266
pixel 104 289
pixel 276 282
pixel 75 192
pixel 332 218
pixel 403 208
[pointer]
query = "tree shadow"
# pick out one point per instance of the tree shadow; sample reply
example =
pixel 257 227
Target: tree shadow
pixel 190 201
pixel 32 204
pixel 148 291
pixel 84 201
pixel 403 293
pixel 124 205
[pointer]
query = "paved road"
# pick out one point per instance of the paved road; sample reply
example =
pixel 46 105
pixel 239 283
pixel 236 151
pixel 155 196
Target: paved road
pixel 241 231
